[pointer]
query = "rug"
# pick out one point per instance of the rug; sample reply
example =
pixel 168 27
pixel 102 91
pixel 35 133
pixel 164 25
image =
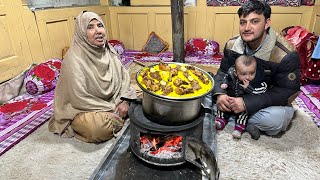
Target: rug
pixel 44 155
pixel 21 116
pixel 294 156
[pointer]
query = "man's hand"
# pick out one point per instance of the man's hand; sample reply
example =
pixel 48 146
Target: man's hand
pixel 122 109
pixel 223 103
pixel 236 104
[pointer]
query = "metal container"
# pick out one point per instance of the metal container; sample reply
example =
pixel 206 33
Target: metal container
pixel 169 110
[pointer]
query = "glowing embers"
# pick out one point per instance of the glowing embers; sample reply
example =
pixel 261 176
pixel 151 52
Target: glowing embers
pixel 161 146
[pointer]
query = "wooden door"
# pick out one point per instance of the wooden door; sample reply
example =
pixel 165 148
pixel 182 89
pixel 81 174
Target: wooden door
pixel 15 54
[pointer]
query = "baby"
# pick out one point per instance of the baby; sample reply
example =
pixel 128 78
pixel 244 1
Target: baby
pixel 241 79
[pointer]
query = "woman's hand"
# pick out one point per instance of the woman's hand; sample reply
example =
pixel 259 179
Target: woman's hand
pixel 122 109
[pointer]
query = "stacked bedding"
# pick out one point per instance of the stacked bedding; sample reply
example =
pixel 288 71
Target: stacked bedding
pixel 27 102
pixel 22 115
pixel 309 101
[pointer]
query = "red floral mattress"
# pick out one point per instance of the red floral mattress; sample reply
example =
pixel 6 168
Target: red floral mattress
pixel 309 101
pixel 21 116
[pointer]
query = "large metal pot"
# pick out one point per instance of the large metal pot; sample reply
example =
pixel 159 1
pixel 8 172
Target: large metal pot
pixel 169 110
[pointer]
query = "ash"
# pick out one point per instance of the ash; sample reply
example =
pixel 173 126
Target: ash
pixel 163 152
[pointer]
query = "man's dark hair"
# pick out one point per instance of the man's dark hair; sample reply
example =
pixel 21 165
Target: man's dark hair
pixel 255 6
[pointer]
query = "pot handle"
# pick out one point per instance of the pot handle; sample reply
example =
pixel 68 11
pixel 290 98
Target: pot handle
pixel 200 154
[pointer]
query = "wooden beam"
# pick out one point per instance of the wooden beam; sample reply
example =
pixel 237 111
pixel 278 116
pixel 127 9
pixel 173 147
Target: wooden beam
pixel 177 30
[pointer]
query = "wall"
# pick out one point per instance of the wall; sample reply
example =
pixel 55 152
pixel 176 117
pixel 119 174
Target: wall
pixel 15 53
pixel 56 27
pixel 133 25
pixel 60 3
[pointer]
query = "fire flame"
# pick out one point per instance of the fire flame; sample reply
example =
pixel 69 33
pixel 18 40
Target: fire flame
pixel 166 143
pixel 154 144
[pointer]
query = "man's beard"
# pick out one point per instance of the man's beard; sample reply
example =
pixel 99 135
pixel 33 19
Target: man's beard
pixel 255 40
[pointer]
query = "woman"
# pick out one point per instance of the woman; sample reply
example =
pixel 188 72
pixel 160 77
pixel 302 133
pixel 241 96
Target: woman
pixel 87 102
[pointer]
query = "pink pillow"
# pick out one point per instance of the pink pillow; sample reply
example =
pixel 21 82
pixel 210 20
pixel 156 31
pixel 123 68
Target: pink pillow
pixel 200 46
pixel 117 45
pixel 43 77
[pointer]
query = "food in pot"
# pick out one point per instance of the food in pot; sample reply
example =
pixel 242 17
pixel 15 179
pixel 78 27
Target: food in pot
pixel 174 80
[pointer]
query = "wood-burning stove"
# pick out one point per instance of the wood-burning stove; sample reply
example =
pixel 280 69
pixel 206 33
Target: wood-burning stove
pixel 170 145
pixel 199 155
pixel 162 145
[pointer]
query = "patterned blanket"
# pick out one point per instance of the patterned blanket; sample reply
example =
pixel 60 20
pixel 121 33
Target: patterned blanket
pixel 309 101
pixel 128 56
pixel 21 116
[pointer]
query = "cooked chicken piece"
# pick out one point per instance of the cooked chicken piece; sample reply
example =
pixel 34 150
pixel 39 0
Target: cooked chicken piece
pixel 197 73
pixel 174 72
pixel 184 90
pixel 164 67
pixel 167 89
pixel 154 87
pixel 179 91
pixel 190 67
pixel 147 81
pixel 195 85
pixel 203 79
pixel 144 72
pixel 188 90
pixel 150 84
pixel 178 82
pixel 186 74
pixel 156 75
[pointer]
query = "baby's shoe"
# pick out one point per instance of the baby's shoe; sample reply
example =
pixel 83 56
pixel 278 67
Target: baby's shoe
pixel 236 134
pixel 220 123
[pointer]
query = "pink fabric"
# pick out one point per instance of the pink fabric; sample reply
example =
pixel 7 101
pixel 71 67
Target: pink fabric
pixel 305 42
pixel 270 2
pixel 309 101
pixel 201 46
pixel 129 55
pixel 43 77
pixel 21 116
pixel 117 45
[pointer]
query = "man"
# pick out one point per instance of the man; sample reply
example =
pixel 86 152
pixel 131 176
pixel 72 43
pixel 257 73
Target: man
pixel 276 58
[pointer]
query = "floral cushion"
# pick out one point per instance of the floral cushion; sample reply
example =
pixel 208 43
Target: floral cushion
pixel 117 45
pixel 155 44
pixel 43 77
pixel 307 2
pixel 201 46
pixel 240 3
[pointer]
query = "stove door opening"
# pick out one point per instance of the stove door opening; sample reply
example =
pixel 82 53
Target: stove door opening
pixel 161 146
